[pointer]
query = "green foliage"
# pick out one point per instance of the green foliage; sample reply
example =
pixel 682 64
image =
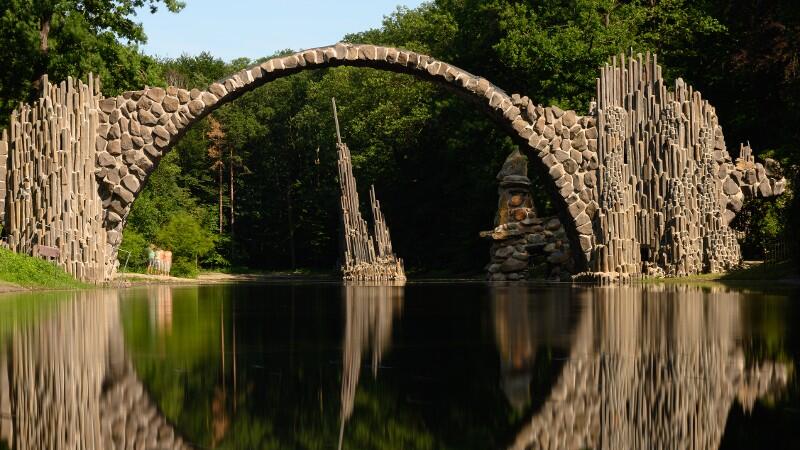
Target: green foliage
pixel 184 267
pixel 72 38
pixel 163 207
pixel 193 72
pixel 162 198
pixel 429 29
pixel 33 272
pixel 134 250
pixel 770 221
pixel 188 240
pixel 764 272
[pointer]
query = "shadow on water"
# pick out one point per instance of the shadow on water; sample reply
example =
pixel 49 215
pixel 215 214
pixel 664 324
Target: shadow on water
pixel 428 365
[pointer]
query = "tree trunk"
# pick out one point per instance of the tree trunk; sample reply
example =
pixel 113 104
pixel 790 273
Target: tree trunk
pixel 44 51
pixel 44 33
pixel 221 217
pixel 292 255
pixel 230 166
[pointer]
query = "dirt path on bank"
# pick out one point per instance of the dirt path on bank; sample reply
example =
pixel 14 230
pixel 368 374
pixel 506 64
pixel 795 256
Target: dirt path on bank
pixel 10 287
pixel 213 278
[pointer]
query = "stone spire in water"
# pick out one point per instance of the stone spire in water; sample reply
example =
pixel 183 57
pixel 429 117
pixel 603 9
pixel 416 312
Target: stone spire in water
pixel 367 257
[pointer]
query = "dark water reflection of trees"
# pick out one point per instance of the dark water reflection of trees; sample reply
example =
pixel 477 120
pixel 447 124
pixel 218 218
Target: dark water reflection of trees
pixel 432 365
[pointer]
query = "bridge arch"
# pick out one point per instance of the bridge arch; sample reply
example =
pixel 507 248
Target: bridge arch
pixel 137 128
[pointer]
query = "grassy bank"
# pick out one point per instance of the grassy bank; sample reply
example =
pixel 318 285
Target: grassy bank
pixel 33 273
pixel 784 271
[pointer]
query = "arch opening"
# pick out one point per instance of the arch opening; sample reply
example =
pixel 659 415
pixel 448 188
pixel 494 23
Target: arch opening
pixel 138 128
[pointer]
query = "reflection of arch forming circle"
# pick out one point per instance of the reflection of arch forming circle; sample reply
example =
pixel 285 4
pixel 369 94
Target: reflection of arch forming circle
pixel 156 118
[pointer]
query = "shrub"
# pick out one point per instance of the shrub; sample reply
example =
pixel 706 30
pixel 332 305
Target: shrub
pixel 185 268
pixel 136 244
pixel 186 238
pixel 33 272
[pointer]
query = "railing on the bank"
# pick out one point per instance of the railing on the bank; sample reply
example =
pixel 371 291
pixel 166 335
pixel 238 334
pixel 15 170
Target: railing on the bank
pixel 778 249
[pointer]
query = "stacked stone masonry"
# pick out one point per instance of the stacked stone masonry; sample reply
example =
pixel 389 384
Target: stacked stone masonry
pixel 524 245
pixel 667 187
pixel 645 172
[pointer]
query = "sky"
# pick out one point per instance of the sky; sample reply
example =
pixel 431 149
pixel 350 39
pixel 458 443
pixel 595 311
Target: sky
pixel 253 29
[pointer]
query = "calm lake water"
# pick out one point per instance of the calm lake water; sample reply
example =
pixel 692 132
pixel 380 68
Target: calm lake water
pixel 425 365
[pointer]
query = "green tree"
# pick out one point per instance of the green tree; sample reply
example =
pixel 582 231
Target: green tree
pixel 162 199
pixel 193 72
pixel 188 241
pixel 72 38
pixel 133 250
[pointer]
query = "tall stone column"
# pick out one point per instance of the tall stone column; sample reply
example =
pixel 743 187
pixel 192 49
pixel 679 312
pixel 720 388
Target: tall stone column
pixel 509 257
pixel 47 178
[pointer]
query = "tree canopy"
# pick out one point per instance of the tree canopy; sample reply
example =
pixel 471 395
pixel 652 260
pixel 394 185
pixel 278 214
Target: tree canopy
pixel 64 38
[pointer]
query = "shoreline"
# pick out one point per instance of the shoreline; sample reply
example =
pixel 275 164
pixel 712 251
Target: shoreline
pixel 754 274
pixel 733 278
pixel 139 279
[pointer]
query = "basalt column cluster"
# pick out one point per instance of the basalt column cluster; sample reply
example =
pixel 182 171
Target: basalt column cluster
pixel 667 186
pixel 366 257
pixel 47 178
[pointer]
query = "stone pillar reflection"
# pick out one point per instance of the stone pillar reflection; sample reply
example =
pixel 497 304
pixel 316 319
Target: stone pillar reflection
pixel 57 371
pixel 67 383
pixel 369 312
pixel 516 343
pixel 6 431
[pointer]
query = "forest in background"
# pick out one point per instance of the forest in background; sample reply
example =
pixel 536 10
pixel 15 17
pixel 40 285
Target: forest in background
pixel 254 185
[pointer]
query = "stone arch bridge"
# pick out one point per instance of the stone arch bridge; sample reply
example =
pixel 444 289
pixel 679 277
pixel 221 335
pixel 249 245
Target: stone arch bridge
pixel 642 180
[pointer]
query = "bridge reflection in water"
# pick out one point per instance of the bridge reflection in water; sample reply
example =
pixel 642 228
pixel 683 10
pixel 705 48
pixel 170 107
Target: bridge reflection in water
pixel 643 367
pixel 68 384
pixel 647 367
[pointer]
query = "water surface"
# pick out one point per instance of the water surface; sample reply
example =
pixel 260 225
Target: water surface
pixel 425 365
